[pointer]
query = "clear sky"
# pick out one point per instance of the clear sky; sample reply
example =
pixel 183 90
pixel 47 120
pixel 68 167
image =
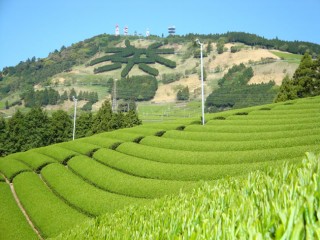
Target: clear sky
pixel 36 27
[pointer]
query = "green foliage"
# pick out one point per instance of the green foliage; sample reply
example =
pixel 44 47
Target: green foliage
pixel 84 124
pixel 61 127
pixel 100 60
pixel 296 47
pixel 237 75
pixel 56 152
pixel 40 203
pixel 152 71
pixel 33 159
pixel 115 181
pixel 107 68
pixel 167 62
pixel 183 94
pixel 11 217
pixel 220 45
pixel 127 68
pixel 132 55
pixel 184 152
pixel 304 83
pixel 11 167
pixel 170 77
pixel 140 88
pixel 102 118
pixel 287 90
pixel 287 199
pixel 234 92
pixel 82 195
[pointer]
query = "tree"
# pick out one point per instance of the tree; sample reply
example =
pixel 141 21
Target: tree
pixel 37 129
pixel 305 81
pixel 84 125
pixel 183 94
pixel 220 45
pixel 61 127
pixel 102 118
pixel 7 105
pixel 16 133
pixel 209 47
pixel 72 94
pixel 3 136
pixel 288 90
pixel 132 119
pixel 204 74
pixel 304 76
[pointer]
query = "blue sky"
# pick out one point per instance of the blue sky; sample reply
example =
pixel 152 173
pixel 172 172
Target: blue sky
pixel 35 27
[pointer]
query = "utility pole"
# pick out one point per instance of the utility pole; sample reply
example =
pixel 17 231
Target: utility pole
pixel 74 116
pixel 114 96
pixel 202 87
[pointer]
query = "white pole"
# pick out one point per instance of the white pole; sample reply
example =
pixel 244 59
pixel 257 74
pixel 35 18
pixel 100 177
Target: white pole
pixel 202 86
pixel 74 116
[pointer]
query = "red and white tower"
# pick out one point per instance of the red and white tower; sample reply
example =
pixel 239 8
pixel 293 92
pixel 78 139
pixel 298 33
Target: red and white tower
pixel 117 32
pixel 125 30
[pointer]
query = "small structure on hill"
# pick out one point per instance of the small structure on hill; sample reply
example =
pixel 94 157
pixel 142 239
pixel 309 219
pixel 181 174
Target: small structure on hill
pixel 172 30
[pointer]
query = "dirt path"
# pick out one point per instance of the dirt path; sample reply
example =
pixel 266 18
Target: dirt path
pixel 23 210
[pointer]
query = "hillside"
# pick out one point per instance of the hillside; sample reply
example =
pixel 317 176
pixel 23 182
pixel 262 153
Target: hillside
pixel 68 68
pixel 66 184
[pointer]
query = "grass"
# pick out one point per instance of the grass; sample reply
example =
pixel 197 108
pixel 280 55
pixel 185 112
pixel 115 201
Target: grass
pixel 13 224
pixel 149 112
pixel 47 211
pixel 288 57
pixel 279 204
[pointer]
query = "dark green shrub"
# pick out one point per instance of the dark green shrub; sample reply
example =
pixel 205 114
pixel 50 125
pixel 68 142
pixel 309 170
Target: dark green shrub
pixel 152 71
pixel 241 113
pixel 138 139
pixel 219 118
pixel 160 133
pixel 107 68
pixel 180 128
pixel 115 145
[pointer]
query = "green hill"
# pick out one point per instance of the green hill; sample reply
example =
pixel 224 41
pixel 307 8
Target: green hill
pixel 64 185
pixel 174 61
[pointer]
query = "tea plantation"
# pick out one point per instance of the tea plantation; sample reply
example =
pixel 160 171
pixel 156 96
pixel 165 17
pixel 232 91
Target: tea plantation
pixel 47 191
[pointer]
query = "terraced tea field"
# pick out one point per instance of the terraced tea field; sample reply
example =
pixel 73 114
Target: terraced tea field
pixel 49 190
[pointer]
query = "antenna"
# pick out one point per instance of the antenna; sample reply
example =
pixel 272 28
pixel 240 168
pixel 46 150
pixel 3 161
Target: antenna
pixel 117 32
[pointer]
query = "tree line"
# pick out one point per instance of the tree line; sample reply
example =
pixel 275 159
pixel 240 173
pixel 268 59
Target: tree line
pixel 41 98
pixel 297 47
pixel 36 128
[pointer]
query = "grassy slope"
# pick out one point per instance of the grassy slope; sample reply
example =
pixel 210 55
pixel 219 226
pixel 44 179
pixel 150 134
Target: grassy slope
pixel 180 161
